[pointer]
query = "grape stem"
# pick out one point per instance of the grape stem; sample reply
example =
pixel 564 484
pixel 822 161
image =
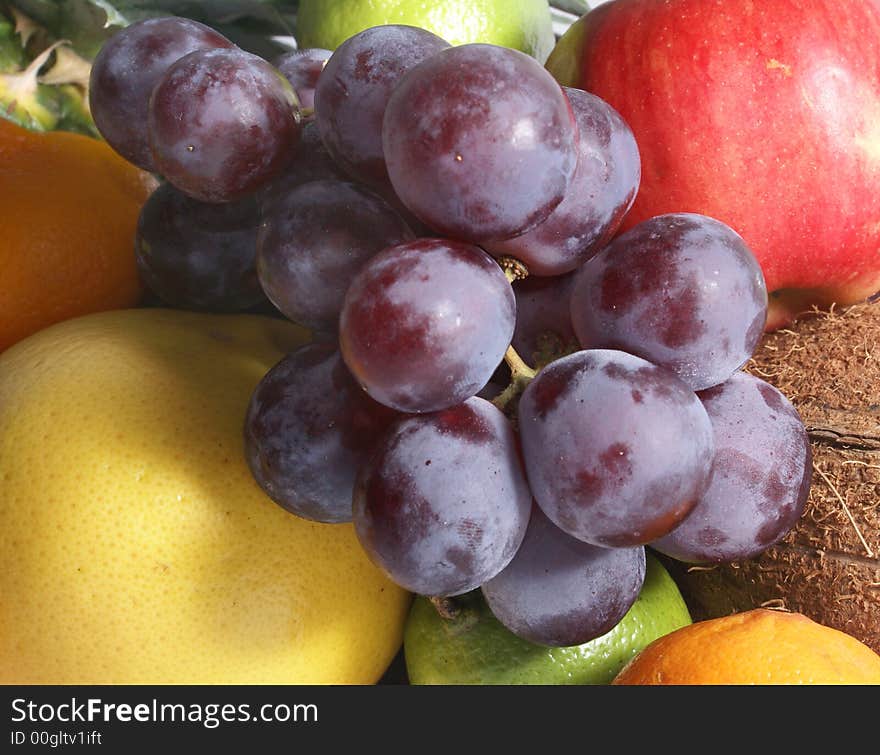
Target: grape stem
pixel 446 607
pixel 520 373
pixel 520 376
pixel 514 270
pixel 518 368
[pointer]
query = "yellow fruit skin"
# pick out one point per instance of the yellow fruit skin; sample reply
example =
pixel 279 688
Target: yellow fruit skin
pixel 134 545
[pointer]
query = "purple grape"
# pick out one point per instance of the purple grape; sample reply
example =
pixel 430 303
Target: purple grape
pixel 618 451
pixel 308 429
pixel 543 316
pixel 126 69
pixel 760 481
pixel 354 88
pixel 419 228
pixel 683 291
pixel 602 191
pixel 196 255
pixel 302 69
pixel 442 505
pixel 310 162
pixel 315 240
pixel 480 142
pixel 425 324
pixel 561 591
pixel 222 123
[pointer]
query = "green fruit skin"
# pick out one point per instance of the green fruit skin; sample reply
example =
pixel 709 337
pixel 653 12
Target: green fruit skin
pixel 474 648
pixel 36 110
pixel 11 53
pixel 74 115
pixel 48 108
pixel 524 25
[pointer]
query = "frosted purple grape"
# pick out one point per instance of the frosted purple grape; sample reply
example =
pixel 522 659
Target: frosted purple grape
pixel 560 591
pixel 761 479
pixel 127 68
pixel 353 90
pixel 308 429
pixel 443 505
pixel 315 239
pixel 617 450
pixel 310 162
pixel 302 68
pixel 543 316
pixel 222 124
pixel 198 255
pixel 682 290
pixel 480 142
pixel 425 324
pixel 601 192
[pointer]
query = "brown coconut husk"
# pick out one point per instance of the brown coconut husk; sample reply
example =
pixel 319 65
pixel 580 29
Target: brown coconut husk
pixel 828 567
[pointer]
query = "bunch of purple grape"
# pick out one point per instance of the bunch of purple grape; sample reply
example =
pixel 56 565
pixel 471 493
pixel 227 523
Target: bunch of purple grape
pixel 391 215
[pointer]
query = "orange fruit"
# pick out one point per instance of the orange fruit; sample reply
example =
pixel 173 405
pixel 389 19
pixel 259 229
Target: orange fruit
pixel 754 647
pixel 70 206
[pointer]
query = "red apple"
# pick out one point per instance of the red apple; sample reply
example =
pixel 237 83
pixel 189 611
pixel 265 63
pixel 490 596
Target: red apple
pixel 764 114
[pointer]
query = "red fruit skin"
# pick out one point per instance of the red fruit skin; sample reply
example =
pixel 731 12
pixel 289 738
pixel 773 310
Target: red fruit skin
pixel 762 114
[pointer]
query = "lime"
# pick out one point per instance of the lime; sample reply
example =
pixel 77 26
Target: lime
pixel 474 648
pixel 522 24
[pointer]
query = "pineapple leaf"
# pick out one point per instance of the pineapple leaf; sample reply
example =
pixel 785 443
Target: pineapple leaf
pixel 88 23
